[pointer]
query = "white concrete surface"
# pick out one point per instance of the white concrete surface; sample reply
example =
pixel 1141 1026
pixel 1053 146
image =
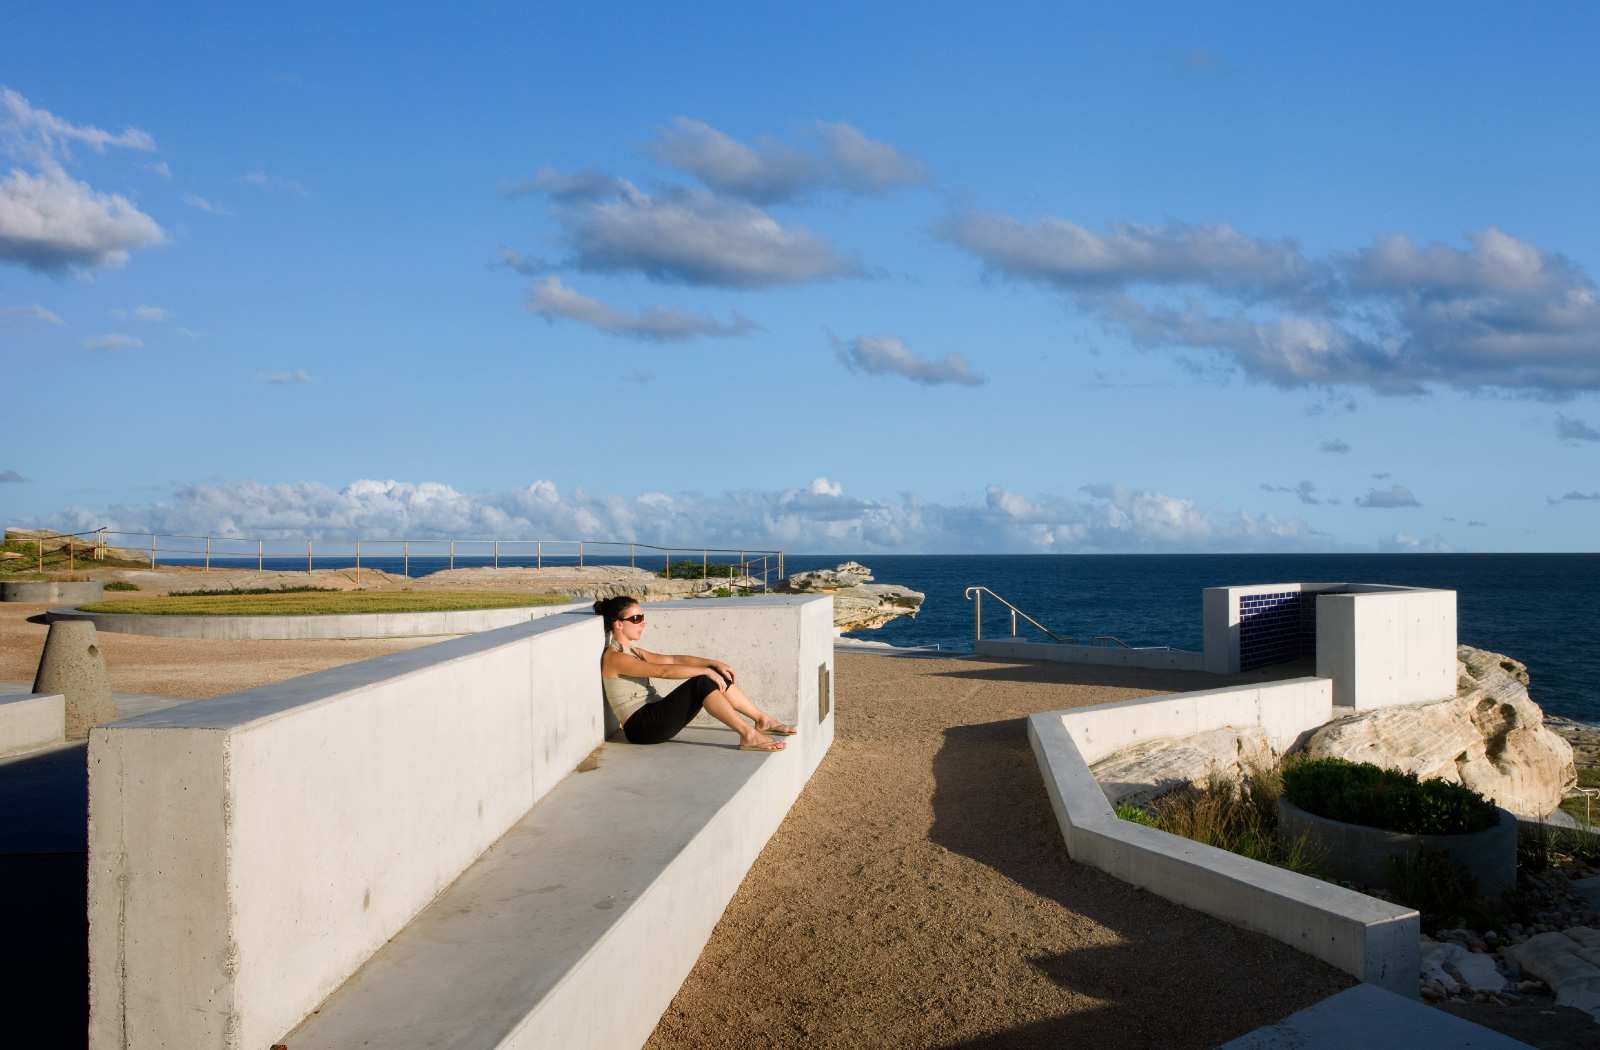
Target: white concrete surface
pixel 1219 613
pixel 1373 940
pixel 330 625
pixel 1285 710
pixel 30 721
pixel 51 591
pixel 578 928
pixel 1368 1018
pixel 247 853
pixel 1108 656
pixel 1386 646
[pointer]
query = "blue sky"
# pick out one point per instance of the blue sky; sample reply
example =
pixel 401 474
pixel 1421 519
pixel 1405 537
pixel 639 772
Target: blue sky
pixel 916 278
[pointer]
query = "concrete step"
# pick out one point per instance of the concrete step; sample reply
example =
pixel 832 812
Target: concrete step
pixel 579 925
pixel 1368 1018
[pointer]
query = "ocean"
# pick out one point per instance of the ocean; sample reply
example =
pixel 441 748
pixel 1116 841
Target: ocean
pixel 1542 609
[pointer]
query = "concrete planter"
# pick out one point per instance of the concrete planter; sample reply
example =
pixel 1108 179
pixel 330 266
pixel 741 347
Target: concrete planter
pixel 51 591
pixel 1361 854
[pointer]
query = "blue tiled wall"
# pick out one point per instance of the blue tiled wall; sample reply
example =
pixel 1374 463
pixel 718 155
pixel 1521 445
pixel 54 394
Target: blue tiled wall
pixel 1275 627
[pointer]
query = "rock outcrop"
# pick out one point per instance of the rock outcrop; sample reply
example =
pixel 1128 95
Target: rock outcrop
pixel 1149 769
pixel 1490 737
pixel 1569 962
pixel 82 546
pixel 858 603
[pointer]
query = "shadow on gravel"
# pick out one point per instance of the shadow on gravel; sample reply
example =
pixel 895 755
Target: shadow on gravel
pixel 1176 978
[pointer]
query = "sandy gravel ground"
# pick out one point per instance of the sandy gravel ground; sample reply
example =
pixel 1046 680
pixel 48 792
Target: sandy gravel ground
pixel 185 666
pixel 919 894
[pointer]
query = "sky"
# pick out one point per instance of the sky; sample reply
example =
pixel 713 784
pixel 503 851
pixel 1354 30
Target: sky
pixel 921 278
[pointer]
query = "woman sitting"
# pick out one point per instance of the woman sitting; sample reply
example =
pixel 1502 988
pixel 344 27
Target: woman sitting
pixel 649 718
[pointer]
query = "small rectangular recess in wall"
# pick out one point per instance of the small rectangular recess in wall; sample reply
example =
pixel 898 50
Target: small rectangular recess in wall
pixel 824 692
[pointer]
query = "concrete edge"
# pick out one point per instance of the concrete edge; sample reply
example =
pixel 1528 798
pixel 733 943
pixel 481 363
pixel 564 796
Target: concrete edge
pixel 1151 659
pixel 322 626
pixel 31 722
pixel 1372 940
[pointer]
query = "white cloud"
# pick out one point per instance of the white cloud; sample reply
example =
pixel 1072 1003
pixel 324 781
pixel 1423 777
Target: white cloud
pixel 1394 316
pixel 141 313
pixel 159 167
pixel 1400 543
pixel 11 477
pixel 1574 496
pixel 31 312
pixel 691 237
pixel 1305 491
pixel 878 355
pixel 1575 430
pixel 525 266
pixel 205 205
pixel 267 180
pixel 1393 496
pixel 815 517
pixel 773 172
pixel 1335 445
pixel 553 300
pixel 50 221
pixel 297 377
pixel 113 341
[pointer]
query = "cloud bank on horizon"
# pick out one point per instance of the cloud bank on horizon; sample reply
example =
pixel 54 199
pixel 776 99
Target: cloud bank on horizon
pixel 816 518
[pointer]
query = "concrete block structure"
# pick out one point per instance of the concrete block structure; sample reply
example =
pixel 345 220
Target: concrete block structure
pixel 251 854
pixel 1379 644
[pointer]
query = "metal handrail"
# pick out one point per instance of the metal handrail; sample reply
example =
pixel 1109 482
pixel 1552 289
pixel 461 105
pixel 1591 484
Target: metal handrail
pixel 750 563
pixel 979 592
pixel 1589 794
pixel 1102 639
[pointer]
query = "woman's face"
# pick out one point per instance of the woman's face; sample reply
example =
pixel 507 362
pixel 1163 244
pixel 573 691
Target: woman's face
pixel 629 631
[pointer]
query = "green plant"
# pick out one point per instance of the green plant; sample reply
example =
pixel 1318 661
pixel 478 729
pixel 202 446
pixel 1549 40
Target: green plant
pixel 1240 818
pixel 121 585
pixel 694 570
pixel 247 590
pixel 1540 845
pixel 1362 793
pixel 1442 891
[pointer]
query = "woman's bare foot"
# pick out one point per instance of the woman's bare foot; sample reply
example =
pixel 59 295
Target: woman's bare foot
pixel 756 742
pixel 778 729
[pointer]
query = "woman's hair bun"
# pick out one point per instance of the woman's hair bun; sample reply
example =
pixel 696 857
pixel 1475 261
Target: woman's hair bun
pixel 611 609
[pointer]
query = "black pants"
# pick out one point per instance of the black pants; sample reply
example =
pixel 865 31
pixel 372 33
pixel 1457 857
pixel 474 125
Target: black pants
pixel 661 721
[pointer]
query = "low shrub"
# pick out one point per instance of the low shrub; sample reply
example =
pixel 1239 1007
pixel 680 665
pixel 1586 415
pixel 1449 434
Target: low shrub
pixel 1240 818
pixel 1441 890
pixel 240 590
pixel 693 570
pixel 1362 793
pixel 121 585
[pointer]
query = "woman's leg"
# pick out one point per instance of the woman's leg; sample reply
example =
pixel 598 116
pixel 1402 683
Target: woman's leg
pixel 745 706
pixel 665 719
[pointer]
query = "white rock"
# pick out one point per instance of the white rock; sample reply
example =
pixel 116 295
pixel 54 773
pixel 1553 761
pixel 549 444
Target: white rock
pixel 858 603
pixel 1490 737
pixel 1568 962
pixel 1149 769
pixel 1433 957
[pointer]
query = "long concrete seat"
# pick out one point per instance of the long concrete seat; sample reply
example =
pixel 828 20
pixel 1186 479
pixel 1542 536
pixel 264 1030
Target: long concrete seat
pixel 578 926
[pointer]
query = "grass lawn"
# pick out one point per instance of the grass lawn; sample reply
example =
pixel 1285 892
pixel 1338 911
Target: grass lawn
pixel 306 603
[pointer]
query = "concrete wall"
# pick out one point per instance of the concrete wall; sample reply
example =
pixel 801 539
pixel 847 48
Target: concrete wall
pixel 51 591
pixel 1164 659
pixel 1386 646
pixel 29 721
pixel 1286 710
pixel 1371 939
pixel 247 853
pixel 331 625
pixel 774 651
pixel 1219 613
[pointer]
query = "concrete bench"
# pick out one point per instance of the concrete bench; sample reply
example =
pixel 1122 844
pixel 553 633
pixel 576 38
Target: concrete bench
pixel 249 854
pixel 577 928
pixel 29 721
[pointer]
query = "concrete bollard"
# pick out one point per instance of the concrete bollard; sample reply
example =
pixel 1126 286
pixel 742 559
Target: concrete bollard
pixel 73 666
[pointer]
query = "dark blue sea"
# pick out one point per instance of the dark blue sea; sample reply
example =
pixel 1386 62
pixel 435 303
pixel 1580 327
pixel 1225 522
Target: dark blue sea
pixel 1542 609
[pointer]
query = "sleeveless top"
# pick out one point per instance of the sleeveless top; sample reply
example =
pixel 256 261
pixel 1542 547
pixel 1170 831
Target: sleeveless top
pixel 626 693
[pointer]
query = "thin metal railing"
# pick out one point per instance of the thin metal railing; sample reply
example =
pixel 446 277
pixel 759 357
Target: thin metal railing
pixel 749 563
pixel 978 593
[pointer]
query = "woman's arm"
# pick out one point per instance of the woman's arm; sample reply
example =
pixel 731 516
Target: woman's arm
pixel 656 665
pixel 694 661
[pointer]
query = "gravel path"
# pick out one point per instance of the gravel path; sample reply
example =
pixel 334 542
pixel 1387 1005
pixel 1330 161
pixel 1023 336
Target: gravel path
pixel 919 894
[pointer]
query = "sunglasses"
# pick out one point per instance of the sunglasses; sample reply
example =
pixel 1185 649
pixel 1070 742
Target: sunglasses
pixel 635 618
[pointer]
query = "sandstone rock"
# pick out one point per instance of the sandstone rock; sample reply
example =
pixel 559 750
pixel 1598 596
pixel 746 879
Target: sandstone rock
pixel 1149 769
pixel 82 546
pixel 1455 967
pixel 858 603
pixel 1490 737
pixel 1568 962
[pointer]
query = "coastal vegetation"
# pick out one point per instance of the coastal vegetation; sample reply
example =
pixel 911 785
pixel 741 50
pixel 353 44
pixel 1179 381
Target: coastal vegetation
pixel 1369 795
pixel 1240 817
pixel 686 569
pixel 312 601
